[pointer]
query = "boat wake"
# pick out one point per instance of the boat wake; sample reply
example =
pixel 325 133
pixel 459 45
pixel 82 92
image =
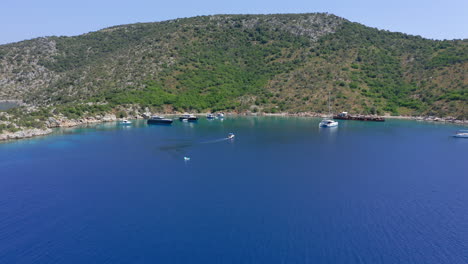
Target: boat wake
pixel 214 141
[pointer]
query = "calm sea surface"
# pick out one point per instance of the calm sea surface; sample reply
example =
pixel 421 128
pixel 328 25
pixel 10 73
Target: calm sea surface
pixel 283 191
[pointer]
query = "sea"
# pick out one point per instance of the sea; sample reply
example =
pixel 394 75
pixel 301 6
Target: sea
pixel 282 190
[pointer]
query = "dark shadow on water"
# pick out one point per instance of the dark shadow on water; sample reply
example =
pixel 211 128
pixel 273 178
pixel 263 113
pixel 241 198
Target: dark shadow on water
pixel 181 148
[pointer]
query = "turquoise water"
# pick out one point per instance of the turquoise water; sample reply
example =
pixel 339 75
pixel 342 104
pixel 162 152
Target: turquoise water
pixel 283 191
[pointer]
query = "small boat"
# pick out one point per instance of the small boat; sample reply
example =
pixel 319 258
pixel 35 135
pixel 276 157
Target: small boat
pixel 189 118
pixel 461 134
pixel 231 136
pixel 186 158
pixel 328 123
pixel 125 122
pixel 210 116
pixel 159 120
pixel 220 115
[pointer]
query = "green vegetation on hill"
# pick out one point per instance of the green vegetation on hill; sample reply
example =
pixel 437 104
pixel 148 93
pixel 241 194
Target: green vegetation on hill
pixel 240 62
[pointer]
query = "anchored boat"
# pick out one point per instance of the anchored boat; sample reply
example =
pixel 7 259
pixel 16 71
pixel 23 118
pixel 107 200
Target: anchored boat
pixel 328 123
pixel 125 122
pixel 187 117
pixel 158 120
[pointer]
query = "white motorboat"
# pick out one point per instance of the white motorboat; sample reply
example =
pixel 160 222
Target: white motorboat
pixel 231 136
pixel 220 115
pixel 461 134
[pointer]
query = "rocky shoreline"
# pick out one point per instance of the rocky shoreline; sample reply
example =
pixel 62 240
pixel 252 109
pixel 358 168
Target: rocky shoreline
pixel 63 122
pixel 26 133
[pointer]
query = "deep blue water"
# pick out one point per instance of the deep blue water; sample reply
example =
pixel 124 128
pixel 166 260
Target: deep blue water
pixel 283 191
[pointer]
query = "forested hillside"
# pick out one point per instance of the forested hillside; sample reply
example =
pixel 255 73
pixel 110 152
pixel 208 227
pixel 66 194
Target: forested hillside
pixel 267 63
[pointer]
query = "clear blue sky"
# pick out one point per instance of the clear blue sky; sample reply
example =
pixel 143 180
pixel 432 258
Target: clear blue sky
pixel 26 19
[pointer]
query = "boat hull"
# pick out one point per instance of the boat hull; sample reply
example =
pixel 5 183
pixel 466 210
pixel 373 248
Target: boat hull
pixel 159 122
pixel 190 119
pixel 328 125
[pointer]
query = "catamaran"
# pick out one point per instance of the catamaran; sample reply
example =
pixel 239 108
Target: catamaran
pixel 328 122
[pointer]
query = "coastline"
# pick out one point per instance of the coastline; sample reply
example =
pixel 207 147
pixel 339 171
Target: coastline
pixel 416 118
pixel 63 122
pixel 25 133
pixel 55 122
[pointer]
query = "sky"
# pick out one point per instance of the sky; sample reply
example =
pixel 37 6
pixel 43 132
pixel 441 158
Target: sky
pixel 26 19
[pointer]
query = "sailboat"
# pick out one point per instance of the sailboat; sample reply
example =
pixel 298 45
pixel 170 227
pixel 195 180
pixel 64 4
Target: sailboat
pixel 328 122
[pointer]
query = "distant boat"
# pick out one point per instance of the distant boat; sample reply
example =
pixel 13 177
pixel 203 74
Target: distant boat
pixel 186 158
pixel 155 120
pixel 187 117
pixel 220 115
pixel 328 123
pixel 210 116
pixel 461 134
pixel 125 122
pixel 231 136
